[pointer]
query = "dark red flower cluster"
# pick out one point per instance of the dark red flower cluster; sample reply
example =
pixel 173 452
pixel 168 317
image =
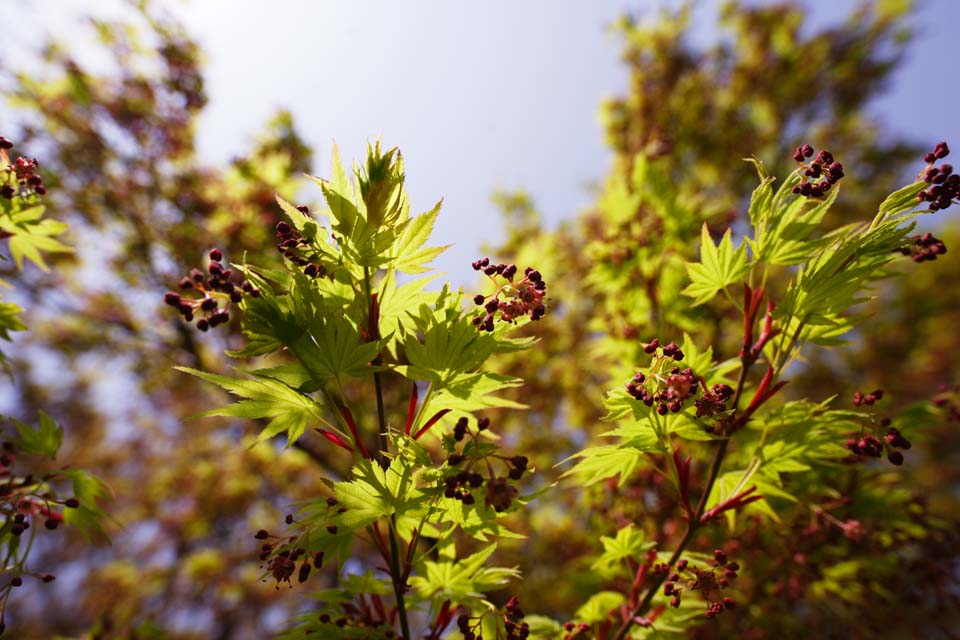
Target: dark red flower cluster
pixel 709 582
pixel 870 446
pixel 713 401
pixel 219 286
pixel 512 299
pixel 463 624
pixel 924 247
pixel 366 617
pixel 20 176
pixel 23 500
pixel 819 175
pixel 462 428
pixel 945 184
pixel 940 151
pixel 513 622
pixel 280 554
pixel 667 388
pixel 458 486
pixel 300 250
pixel 20 499
pixel 670 350
pixel 500 493
pixel 868 399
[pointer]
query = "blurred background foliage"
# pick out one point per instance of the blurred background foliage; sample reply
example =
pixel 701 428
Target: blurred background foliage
pixel 119 157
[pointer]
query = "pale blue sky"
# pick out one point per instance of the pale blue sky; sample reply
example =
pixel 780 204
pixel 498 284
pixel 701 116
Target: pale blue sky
pixel 477 95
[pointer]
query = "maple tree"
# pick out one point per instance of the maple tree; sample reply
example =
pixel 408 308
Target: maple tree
pixel 681 402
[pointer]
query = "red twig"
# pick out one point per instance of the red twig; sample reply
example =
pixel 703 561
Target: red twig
pixel 335 439
pixel 412 409
pixel 742 499
pixel 352 425
pixel 432 421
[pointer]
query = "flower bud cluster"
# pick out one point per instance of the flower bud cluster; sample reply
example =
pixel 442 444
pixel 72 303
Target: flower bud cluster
pixel 24 500
pixel 709 582
pixel 868 399
pixel 819 175
pixel 220 286
pixel 574 630
pixel 925 247
pixel 279 555
pixel 513 622
pixel 361 620
pixel 499 492
pixel 870 445
pixel 513 298
pixel 668 388
pixel 463 625
pixel 713 400
pixel 20 176
pixel 945 184
pixel 299 249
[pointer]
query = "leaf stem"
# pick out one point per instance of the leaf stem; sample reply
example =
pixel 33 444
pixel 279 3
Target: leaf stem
pixel 374 330
pixel 397 580
pixel 396 574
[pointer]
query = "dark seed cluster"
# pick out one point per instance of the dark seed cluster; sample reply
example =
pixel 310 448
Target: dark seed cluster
pixel 575 630
pixel 367 617
pixel 300 250
pixel 513 622
pixel 869 444
pixel 665 386
pixel 713 401
pixel 860 399
pixel 25 500
pixel 819 175
pixel 279 555
pixel 924 248
pixel 221 285
pixel 513 298
pixel 499 492
pixel 709 582
pixel 467 630
pixel 944 187
pixel 19 177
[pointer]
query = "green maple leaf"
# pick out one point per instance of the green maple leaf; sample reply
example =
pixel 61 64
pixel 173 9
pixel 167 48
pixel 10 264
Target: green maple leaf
pixel 719 267
pixel 408 253
pixel 599 463
pixel 264 397
pixel 463 578
pixel 374 493
pixel 30 234
pixel 44 441
pixel 627 545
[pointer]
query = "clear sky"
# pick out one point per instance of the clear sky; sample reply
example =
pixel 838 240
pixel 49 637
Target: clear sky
pixel 477 95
